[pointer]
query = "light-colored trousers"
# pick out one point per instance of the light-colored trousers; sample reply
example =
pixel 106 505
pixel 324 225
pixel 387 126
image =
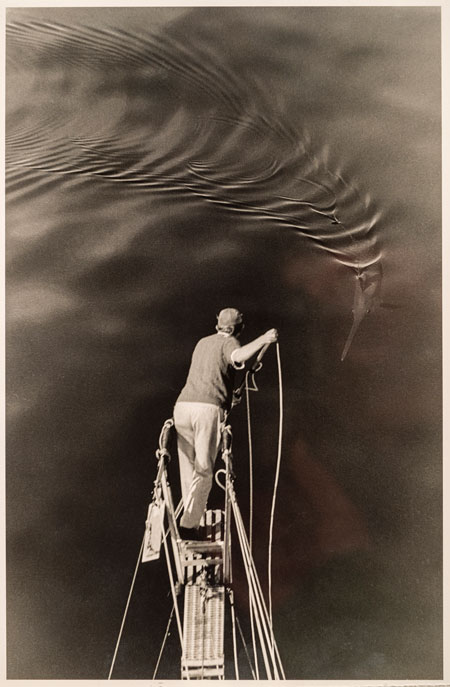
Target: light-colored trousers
pixel 198 427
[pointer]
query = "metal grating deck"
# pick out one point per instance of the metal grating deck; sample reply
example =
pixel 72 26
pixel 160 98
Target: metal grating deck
pixel 203 632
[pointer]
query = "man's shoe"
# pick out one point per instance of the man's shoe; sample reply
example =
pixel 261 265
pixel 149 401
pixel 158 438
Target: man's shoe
pixel 188 533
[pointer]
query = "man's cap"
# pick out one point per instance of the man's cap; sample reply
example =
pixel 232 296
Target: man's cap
pixel 229 317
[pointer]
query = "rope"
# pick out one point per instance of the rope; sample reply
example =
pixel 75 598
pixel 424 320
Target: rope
pixel 233 625
pixel 177 513
pixel 172 585
pixel 162 452
pixel 250 459
pixel 164 642
pixel 252 581
pixel 277 474
pixel 253 576
pixel 272 514
pixel 164 429
pixel 203 630
pixel 126 609
pixel 245 647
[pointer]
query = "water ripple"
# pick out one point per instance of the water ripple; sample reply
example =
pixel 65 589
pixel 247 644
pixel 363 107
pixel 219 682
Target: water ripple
pixel 175 118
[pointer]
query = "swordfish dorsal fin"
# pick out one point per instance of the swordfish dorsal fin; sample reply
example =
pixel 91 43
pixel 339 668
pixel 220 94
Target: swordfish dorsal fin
pixel 366 291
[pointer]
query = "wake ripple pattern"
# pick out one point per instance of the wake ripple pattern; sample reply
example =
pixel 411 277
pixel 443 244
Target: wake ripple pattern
pixel 213 135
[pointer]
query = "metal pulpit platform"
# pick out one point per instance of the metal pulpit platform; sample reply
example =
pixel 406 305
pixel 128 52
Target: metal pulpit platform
pixel 200 573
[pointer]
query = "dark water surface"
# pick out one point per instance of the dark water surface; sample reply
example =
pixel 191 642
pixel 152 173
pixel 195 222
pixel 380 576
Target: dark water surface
pixel 163 163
